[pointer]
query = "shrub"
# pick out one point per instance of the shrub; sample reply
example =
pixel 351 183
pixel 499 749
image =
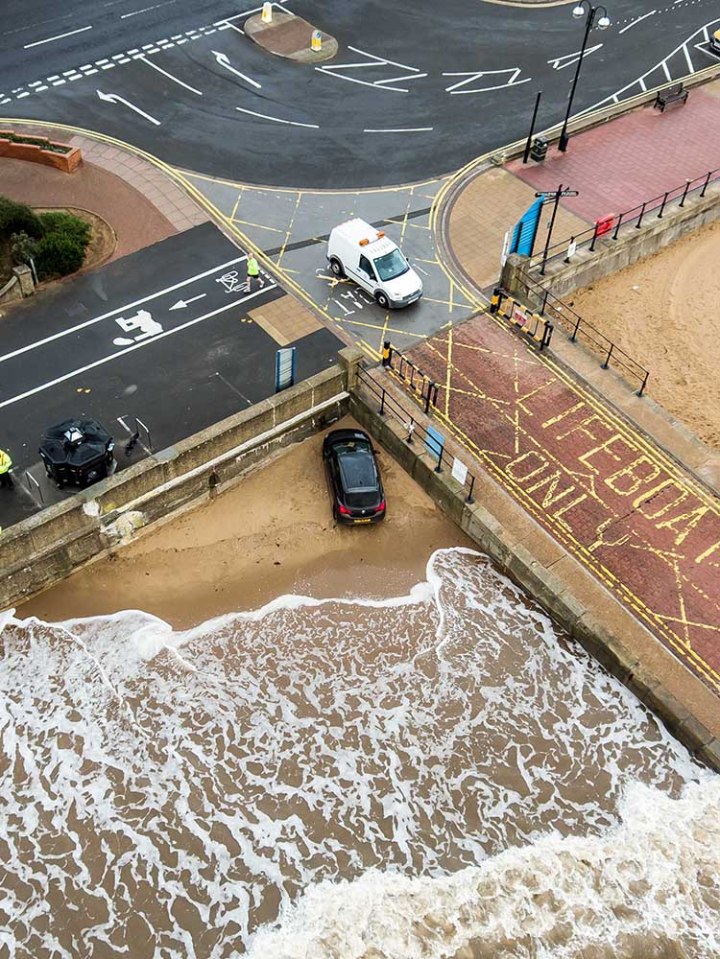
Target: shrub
pixel 18 218
pixel 66 224
pixel 58 254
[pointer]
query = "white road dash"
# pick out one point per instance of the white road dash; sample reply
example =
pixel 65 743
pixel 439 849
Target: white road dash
pixel 634 23
pixel 60 36
pixel 170 76
pixel 292 123
pixel 401 130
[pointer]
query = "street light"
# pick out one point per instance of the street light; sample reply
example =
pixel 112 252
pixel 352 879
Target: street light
pixel 603 22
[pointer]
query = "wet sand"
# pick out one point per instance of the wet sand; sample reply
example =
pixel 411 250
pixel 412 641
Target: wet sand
pixel 270 535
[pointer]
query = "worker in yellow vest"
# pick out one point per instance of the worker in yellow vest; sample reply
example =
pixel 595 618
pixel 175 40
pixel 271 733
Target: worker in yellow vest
pixel 253 273
pixel 5 464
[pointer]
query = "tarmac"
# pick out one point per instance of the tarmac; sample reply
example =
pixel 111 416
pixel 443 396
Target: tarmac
pixel 615 481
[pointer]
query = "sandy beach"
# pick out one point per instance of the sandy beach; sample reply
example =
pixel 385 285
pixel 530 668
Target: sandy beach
pixel 269 535
pixel 660 311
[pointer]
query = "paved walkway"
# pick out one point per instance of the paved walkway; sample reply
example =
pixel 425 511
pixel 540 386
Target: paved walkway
pixel 141 204
pixel 614 167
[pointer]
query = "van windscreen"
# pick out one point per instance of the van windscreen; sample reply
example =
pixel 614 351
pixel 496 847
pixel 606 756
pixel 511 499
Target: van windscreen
pixel 391 265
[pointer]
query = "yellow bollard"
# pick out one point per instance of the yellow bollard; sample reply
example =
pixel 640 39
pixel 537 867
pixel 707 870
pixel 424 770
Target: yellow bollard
pixel 316 41
pixel 266 13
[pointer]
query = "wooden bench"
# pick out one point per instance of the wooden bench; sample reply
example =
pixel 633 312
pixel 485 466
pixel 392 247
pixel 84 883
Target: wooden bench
pixel 674 94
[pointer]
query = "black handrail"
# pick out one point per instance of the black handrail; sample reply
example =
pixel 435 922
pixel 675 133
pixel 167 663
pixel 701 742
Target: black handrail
pixel 576 327
pixel 388 405
pixel 609 226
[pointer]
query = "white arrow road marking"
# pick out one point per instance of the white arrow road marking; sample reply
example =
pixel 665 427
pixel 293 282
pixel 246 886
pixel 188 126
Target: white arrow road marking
pixel 169 76
pixel 181 304
pixel 114 98
pixel 292 123
pixel 512 82
pixel 224 62
pixel 130 349
pixel 60 36
pixel 557 63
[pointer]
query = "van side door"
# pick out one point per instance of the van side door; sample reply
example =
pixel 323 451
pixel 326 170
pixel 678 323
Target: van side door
pixel 364 276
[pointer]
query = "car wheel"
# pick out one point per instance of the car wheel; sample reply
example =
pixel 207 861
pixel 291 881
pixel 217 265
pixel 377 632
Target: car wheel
pixel 336 267
pixel 382 300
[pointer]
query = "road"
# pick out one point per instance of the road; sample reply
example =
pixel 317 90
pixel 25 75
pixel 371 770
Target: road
pixel 411 93
pixel 169 335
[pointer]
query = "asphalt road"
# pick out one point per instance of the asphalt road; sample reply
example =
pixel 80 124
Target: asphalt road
pixel 163 334
pixel 414 91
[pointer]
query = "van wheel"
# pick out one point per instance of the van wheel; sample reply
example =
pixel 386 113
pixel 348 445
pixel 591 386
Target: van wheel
pixel 382 300
pixel 336 267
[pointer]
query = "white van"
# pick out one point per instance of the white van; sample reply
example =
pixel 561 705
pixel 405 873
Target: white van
pixel 365 255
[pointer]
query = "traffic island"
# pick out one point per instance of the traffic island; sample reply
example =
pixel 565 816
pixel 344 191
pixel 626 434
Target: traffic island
pixel 286 35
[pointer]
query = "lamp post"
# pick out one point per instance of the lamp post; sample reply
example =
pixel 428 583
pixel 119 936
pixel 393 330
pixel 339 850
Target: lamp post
pixel 602 22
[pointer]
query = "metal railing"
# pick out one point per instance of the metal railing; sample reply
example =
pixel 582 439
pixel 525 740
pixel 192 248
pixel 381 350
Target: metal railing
pixel 611 226
pixel 578 329
pixel 387 405
pixel 422 386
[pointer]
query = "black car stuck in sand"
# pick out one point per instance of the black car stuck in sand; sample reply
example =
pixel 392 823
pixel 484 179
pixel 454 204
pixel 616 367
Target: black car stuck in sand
pixel 353 477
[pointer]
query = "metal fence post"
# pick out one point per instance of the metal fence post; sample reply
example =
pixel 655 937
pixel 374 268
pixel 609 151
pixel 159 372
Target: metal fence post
pixel 595 233
pixel 644 384
pixel 577 327
pixel 429 394
pixel 469 497
pixel 685 192
pixel 438 468
pixel 705 184
pixel 662 206
pixel 607 358
pixel 640 218
pixel 382 404
pixel 617 226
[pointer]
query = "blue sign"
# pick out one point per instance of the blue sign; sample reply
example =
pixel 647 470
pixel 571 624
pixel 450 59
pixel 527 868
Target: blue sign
pixel 284 368
pixel 525 230
pixel 434 442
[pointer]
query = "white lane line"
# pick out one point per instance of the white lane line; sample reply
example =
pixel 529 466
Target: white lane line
pixel 121 309
pixel 60 36
pixel 292 123
pixel 402 130
pixel 134 13
pixel 131 349
pixel 170 76
pixel 637 20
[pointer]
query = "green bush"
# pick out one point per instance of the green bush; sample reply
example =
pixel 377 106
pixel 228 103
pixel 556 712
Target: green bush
pixel 22 247
pixel 68 225
pixel 58 254
pixel 18 218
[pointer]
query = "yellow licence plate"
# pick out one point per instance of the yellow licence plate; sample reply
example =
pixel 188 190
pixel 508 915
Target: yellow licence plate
pixel 362 521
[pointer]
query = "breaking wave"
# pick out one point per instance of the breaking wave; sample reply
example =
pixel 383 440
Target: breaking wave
pixel 440 774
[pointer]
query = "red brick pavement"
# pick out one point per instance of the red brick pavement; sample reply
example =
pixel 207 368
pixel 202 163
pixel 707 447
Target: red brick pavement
pixel 633 158
pixel 616 501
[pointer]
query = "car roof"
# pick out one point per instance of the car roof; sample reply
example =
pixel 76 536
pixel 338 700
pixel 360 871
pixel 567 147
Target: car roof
pixel 345 436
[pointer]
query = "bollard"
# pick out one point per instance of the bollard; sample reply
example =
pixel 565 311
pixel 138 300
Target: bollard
pixel 495 301
pixel 267 13
pixel 386 353
pixel 316 41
